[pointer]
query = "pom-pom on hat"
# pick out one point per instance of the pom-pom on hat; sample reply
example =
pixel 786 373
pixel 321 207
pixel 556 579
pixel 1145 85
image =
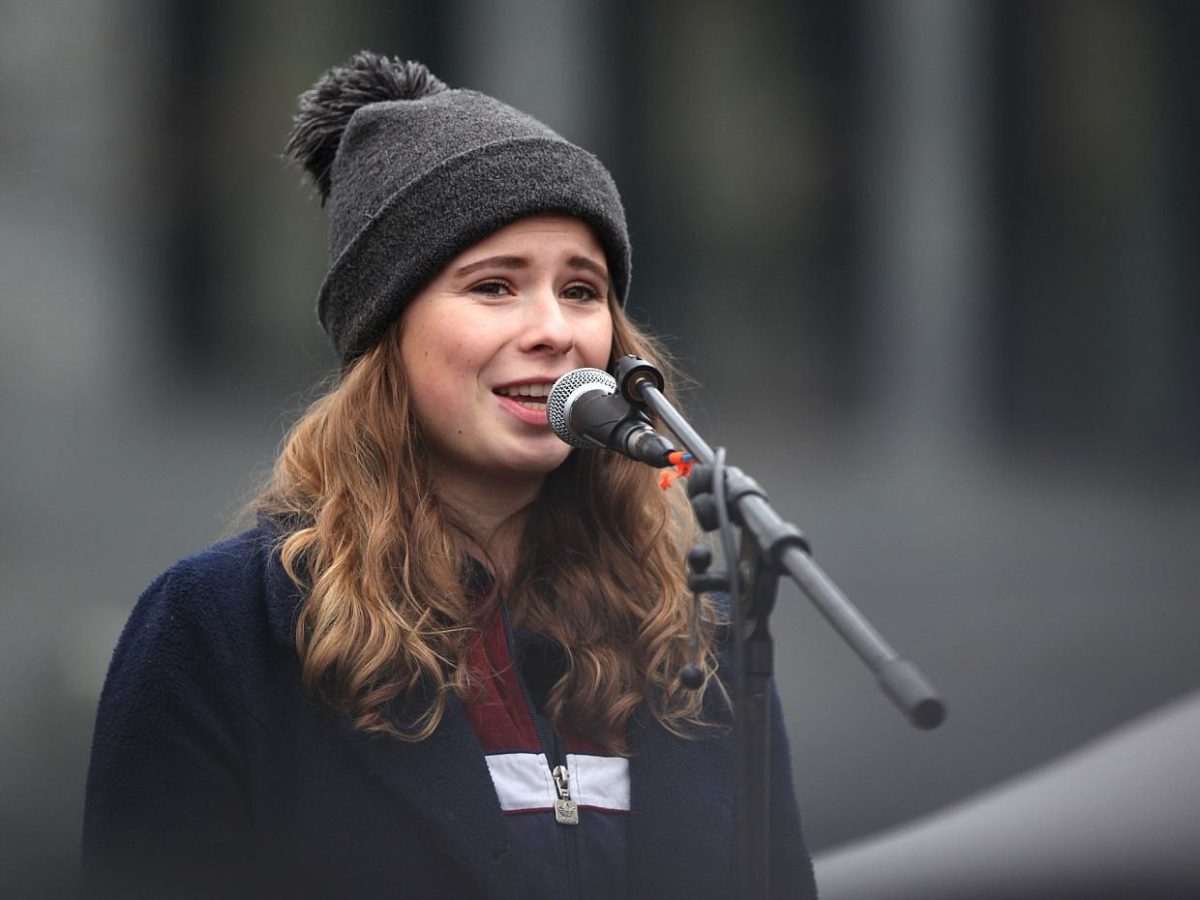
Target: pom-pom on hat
pixel 414 172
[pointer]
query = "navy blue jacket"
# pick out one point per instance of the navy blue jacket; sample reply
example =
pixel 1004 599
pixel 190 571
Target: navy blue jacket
pixel 213 773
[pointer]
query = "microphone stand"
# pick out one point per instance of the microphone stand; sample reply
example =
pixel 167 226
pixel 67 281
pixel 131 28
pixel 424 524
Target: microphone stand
pixel 770 548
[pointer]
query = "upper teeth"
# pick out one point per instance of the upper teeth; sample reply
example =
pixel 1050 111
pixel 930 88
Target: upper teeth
pixel 527 390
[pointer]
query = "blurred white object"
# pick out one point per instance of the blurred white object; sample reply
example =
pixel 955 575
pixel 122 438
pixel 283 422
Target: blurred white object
pixel 1119 818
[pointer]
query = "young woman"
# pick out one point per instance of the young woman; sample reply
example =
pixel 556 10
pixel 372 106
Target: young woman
pixel 445 661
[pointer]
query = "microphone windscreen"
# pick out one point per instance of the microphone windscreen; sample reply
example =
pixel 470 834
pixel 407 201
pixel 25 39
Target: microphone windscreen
pixel 566 391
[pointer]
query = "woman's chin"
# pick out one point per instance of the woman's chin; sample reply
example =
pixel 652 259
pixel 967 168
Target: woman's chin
pixel 546 464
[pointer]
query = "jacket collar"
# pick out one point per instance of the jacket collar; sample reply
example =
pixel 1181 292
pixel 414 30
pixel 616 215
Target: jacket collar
pixel 283 596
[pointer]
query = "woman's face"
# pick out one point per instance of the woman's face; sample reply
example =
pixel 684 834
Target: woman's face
pixel 484 341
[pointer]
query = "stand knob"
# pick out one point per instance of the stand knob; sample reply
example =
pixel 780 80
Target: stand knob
pixel 691 677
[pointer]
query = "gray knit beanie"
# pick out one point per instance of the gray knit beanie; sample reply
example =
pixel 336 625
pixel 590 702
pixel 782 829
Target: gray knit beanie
pixel 414 173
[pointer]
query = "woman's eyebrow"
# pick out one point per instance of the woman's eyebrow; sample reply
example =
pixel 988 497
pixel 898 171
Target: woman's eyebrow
pixel 519 262
pixel 582 262
pixel 503 262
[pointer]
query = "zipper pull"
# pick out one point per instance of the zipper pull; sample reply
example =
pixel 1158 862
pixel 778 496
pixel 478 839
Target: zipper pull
pixel 566 810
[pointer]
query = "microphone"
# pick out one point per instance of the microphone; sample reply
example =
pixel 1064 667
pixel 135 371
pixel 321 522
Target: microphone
pixel 586 411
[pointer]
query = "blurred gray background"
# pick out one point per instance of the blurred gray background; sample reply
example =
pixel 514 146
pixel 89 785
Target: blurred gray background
pixel 932 265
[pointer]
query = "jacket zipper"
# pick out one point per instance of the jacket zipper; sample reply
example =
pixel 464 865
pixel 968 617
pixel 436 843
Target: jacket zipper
pixel 566 810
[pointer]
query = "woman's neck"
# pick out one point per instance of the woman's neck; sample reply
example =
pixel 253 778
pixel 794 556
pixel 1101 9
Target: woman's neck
pixel 493 513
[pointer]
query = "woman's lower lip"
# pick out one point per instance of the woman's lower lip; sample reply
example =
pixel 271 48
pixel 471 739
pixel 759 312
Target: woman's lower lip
pixel 528 415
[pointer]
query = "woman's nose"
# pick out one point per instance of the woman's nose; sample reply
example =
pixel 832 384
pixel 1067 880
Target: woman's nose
pixel 546 327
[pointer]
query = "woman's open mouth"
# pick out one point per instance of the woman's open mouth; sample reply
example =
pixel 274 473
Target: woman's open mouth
pixel 529 396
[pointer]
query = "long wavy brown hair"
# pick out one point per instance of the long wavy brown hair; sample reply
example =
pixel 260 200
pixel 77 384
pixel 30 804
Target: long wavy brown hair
pixel 381 561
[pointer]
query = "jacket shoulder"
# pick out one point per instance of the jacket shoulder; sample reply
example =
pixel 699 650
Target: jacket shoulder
pixel 223 573
pixel 198 614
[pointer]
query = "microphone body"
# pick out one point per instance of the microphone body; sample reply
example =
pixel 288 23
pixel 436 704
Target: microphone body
pixel 585 410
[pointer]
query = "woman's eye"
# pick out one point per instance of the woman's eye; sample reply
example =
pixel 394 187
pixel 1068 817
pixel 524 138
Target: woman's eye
pixel 491 288
pixel 581 292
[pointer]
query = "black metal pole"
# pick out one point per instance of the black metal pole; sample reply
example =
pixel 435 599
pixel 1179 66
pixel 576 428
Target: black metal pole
pixel 752 727
pixel 898 678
